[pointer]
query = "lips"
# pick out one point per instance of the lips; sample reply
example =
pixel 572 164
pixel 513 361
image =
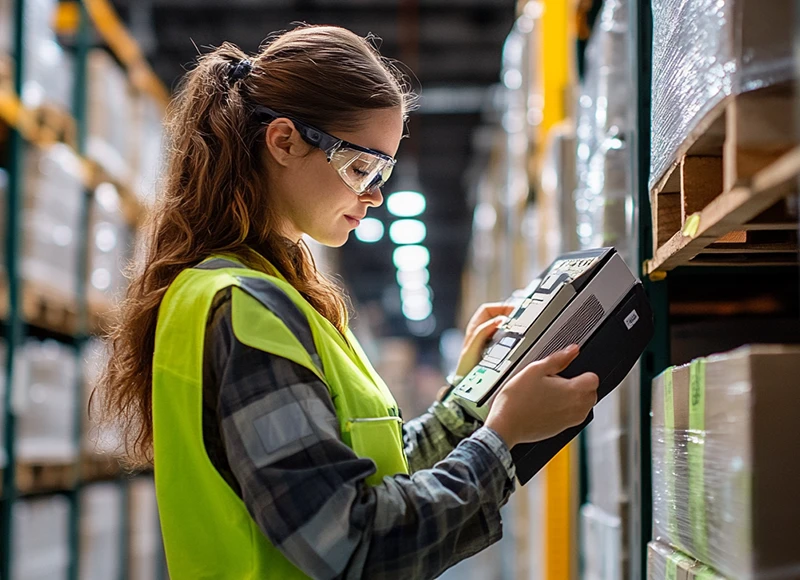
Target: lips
pixel 353 220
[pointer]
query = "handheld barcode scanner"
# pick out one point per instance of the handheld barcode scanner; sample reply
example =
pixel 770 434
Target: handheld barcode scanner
pixel 588 298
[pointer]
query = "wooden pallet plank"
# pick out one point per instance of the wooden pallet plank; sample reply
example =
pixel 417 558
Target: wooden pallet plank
pixel 701 182
pixel 729 211
pixel 757 132
pixel 41 477
pixel 785 248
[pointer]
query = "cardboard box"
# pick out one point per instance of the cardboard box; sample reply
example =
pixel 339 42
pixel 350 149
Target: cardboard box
pixel 669 451
pixel 666 563
pixel 702 572
pixel 736 479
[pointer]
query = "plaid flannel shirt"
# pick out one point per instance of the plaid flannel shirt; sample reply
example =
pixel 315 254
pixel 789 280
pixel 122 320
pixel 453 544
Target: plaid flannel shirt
pixel 307 491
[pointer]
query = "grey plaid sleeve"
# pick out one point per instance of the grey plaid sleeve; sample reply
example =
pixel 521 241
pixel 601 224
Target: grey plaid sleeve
pixel 305 488
pixel 431 436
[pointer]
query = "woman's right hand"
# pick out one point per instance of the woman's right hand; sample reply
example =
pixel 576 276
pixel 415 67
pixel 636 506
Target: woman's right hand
pixel 537 404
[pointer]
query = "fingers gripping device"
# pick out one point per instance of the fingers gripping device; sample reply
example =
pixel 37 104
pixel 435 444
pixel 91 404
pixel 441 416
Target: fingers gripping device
pixel 589 298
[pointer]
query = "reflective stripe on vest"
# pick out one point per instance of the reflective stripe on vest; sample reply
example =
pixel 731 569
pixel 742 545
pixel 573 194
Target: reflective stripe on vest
pixel 207 530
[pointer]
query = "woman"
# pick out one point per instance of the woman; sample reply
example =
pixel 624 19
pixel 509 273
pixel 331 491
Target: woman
pixel 278 452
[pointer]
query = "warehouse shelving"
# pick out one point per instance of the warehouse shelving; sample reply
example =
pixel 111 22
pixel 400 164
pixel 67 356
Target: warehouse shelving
pixel 732 212
pixel 722 233
pixel 31 309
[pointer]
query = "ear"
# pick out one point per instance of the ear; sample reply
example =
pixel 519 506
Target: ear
pixel 284 141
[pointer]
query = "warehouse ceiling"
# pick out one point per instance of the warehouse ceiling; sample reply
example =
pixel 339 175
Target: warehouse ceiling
pixel 453 47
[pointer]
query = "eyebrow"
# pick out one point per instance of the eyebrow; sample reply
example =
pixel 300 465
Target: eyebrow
pixel 365 147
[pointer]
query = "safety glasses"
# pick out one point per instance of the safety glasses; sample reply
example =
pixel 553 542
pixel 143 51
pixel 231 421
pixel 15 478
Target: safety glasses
pixel 360 168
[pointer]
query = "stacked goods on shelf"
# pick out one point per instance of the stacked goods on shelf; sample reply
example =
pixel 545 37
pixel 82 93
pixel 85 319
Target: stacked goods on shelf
pixel 111 115
pixel 145 534
pixel 53 198
pixel 721 98
pixel 724 435
pixel 98 438
pixel 147 146
pixel 45 379
pixel 556 206
pixel 603 197
pixel 705 51
pixel 48 75
pixel 601 544
pixel 48 78
pixel 606 442
pixel 109 246
pixel 101 524
pixel 39 538
pixel 603 209
pixel 666 563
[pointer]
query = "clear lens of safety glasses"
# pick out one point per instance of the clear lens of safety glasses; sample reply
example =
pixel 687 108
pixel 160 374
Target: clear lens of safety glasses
pixel 361 171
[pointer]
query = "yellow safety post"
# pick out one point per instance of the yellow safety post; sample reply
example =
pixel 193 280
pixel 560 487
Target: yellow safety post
pixel 560 525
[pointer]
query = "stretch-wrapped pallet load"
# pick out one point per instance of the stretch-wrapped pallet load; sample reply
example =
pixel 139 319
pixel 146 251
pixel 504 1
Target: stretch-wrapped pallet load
pixel 602 542
pixel 49 75
pixel 705 51
pixel 725 477
pixel 101 531
pixel 39 538
pixel 99 438
pixel 111 112
pixel 45 379
pixel 109 246
pixel 147 147
pixel 53 199
pixel 603 198
pixel 145 534
pixel 666 563
pixel 606 442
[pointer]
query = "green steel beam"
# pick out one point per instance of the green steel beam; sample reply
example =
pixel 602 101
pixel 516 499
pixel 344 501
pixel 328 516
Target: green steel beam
pixel 14 330
pixel 656 357
pixel 79 112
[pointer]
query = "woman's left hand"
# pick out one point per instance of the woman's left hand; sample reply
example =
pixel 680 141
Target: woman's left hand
pixel 479 331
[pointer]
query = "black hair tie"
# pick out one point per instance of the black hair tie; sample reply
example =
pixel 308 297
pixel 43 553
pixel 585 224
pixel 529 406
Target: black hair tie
pixel 238 71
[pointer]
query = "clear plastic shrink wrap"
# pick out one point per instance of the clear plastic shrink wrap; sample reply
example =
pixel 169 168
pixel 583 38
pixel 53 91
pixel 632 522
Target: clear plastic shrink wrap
pixel 665 563
pixel 101 528
pixel 53 198
pixel 705 50
pixel 602 545
pixel 109 246
pixel 48 67
pixel 40 538
pixel 43 398
pixel 99 438
pixel 602 197
pixel 724 455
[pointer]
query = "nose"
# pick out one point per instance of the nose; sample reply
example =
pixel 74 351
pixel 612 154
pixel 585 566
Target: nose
pixel 372 197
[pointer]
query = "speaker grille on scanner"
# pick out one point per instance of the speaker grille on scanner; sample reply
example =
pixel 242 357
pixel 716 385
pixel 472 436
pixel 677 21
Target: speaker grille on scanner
pixel 577 327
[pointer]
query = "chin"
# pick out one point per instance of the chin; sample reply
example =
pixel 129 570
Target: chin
pixel 332 240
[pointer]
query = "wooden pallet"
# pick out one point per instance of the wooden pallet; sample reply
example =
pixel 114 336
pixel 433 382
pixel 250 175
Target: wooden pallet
pixel 743 145
pixel 38 478
pixel 51 309
pixel 55 125
pixel 761 210
pixel 100 468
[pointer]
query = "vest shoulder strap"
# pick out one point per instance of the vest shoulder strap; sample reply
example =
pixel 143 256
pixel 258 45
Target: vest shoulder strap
pixel 275 300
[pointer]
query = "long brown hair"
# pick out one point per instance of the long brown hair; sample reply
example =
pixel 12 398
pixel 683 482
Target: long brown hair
pixel 212 198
